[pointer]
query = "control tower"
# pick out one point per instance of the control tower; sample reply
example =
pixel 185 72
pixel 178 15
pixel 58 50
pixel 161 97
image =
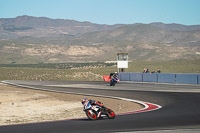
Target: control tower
pixel 122 61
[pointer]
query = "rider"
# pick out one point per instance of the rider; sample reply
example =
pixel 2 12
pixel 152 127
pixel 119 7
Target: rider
pixel 88 104
pixel 114 78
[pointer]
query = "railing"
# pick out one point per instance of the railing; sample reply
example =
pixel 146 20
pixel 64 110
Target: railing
pixel 174 78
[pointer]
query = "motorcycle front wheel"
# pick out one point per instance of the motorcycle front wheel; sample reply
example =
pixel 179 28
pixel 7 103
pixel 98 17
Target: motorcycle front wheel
pixel 91 114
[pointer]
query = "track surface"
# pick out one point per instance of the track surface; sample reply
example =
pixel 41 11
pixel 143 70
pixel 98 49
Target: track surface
pixel 180 108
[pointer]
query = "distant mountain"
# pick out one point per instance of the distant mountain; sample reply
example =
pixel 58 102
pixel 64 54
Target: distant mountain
pixel 46 27
pixel 176 27
pixel 27 39
pixel 143 33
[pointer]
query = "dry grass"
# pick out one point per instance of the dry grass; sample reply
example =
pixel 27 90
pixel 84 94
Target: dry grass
pixel 20 105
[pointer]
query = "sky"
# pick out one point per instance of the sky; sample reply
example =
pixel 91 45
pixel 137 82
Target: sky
pixel 185 12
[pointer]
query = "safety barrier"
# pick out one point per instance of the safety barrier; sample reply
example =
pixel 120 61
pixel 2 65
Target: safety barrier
pixel 198 78
pixel 136 77
pixel 174 78
pixel 166 78
pixel 125 76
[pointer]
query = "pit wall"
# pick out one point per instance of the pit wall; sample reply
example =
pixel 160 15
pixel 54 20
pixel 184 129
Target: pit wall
pixel 174 78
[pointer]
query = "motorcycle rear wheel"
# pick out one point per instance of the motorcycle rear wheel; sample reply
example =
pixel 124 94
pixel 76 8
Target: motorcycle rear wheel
pixel 110 114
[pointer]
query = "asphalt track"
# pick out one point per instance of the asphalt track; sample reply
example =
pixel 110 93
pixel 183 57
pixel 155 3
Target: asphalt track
pixel 180 108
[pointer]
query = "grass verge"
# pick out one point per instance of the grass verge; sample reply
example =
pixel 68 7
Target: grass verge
pixel 95 73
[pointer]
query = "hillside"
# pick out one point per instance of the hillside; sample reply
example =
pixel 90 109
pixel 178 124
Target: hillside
pixel 26 39
pixel 176 27
pixel 46 27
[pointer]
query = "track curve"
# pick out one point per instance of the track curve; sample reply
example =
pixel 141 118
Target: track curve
pixel 179 109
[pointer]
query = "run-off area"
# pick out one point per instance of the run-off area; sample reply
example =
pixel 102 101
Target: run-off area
pixel 20 105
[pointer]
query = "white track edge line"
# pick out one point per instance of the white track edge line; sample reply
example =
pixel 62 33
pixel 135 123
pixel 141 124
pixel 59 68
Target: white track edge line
pixel 120 98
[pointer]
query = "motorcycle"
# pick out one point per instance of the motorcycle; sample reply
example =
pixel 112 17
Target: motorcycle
pixel 113 81
pixel 93 112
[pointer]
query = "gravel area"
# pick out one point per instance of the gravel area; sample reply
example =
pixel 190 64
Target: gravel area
pixel 19 105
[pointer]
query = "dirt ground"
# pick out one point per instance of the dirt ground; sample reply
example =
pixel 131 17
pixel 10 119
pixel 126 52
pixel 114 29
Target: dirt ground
pixel 19 105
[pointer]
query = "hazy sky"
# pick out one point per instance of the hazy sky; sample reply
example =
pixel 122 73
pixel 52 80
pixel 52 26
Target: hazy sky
pixel 107 11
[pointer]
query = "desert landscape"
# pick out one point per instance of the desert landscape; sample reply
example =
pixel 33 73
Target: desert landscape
pixel 20 105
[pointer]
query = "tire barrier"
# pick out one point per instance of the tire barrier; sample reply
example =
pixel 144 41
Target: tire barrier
pixel 174 78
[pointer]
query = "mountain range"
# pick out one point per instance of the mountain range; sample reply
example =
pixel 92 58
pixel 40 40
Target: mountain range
pixel 27 39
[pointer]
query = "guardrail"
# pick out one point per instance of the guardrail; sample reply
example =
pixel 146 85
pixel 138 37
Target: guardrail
pixel 174 78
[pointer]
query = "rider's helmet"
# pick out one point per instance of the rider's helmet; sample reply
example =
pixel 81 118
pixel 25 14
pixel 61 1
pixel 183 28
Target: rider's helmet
pixel 84 100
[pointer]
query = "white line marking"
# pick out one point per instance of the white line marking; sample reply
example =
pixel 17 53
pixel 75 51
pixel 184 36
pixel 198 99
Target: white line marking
pixel 120 98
